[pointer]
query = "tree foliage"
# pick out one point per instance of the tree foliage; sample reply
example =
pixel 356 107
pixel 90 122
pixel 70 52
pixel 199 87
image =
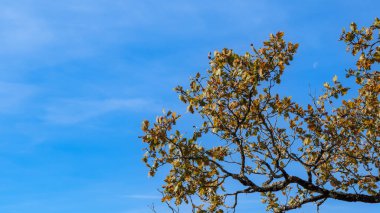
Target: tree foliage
pixel 253 140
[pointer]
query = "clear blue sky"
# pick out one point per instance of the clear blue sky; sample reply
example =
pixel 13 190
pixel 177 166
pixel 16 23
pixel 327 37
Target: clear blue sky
pixel 77 77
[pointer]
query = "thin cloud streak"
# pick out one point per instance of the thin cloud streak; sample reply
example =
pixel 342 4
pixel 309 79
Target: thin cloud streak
pixel 14 96
pixel 75 111
pixel 142 196
pixel 22 33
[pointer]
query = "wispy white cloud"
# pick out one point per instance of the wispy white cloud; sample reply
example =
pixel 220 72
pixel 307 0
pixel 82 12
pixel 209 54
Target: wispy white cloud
pixel 315 65
pixel 74 111
pixel 22 32
pixel 143 196
pixel 14 96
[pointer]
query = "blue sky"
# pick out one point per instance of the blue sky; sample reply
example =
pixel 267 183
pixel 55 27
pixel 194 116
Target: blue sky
pixel 77 77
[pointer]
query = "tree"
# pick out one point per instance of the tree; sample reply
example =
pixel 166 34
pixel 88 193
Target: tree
pixel 252 140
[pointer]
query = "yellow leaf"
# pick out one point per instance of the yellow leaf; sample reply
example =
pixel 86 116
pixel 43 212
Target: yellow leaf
pixel 182 98
pixel 307 141
pixel 145 125
pixel 190 109
pixel 335 78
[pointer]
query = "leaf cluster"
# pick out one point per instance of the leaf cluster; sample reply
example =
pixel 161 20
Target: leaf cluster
pixel 259 137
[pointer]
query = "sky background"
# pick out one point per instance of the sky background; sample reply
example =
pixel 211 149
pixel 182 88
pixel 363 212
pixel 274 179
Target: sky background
pixel 77 77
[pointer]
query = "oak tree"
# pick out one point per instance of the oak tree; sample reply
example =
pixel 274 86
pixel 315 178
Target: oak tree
pixel 253 140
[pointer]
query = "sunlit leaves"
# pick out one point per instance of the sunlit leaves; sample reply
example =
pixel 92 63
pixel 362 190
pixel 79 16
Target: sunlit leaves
pixel 248 132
